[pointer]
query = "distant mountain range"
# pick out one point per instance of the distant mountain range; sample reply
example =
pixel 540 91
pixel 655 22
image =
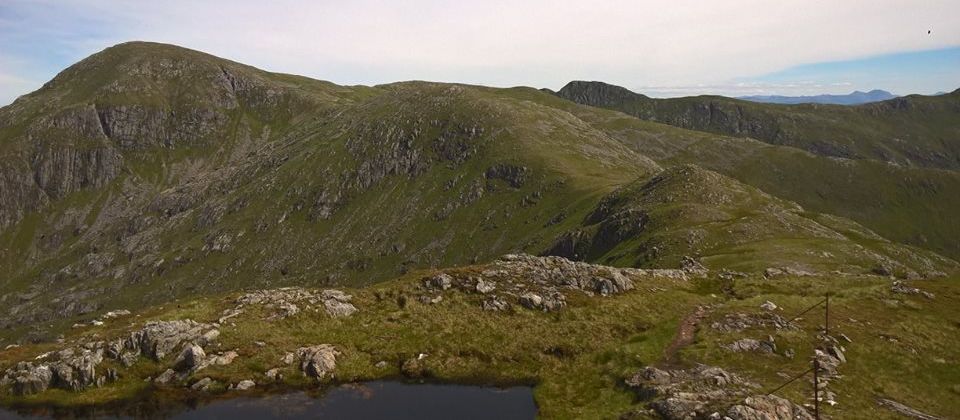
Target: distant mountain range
pixel 854 98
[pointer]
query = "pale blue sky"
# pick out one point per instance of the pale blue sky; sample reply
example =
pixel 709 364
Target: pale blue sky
pixel 662 48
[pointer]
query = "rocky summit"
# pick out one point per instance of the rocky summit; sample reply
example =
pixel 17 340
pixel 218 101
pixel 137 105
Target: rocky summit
pixel 177 228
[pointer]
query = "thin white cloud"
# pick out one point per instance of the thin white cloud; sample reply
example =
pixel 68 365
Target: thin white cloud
pixel 533 42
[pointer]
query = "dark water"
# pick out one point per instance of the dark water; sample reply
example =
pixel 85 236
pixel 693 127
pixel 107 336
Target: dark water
pixel 370 400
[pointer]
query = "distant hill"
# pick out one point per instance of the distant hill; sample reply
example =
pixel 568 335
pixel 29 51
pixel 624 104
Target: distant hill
pixel 854 98
pixel 912 130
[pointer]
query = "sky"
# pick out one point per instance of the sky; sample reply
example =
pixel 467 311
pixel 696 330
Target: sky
pixel 660 48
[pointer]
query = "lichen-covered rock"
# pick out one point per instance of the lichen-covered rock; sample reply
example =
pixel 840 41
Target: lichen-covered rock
pixel 485 286
pixel 495 303
pixel 71 369
pixel 706 391
pixel 289 301
pixel 202 385
pixel 440 281
pixel 190 358
pixel 166 377
pixel 245 385
pixel 548 303
pixel 27 378
pixel 737 322
pixel 752 345
pixel 767 407
pixel 337 304
pixel 318 361
pixel 157 339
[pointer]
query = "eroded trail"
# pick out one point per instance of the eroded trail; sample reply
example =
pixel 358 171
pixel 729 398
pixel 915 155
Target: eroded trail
pixel 686 332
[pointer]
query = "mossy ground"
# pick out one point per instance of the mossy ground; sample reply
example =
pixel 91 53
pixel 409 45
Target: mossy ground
pixel 577 358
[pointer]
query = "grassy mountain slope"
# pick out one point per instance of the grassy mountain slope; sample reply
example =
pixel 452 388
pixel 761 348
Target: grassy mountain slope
pixel 148 172
pixel 689 211
pixel 914 130
pixel 271 179
pixel 905 204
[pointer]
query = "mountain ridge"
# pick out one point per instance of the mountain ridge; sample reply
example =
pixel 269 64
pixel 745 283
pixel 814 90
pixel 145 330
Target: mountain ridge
pixel 153 165
pixel 853 98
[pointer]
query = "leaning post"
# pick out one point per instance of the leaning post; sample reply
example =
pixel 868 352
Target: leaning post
pixel 826 321
pixel 816 388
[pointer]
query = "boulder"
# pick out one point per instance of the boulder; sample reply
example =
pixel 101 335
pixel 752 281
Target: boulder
pixel 441 281
pixel 190 358
pixel 26 378
pixel 202 385
pixel 245 385
pixel 485 286
pixel 535 301
pixel 318 361
pixel 166 377
pixel 274 375
pixel 337 304
pixel 157 339
pixel 495 303
pixel 413 368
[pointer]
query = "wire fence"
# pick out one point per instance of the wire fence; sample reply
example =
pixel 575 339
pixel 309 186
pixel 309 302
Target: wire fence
pixel 815 365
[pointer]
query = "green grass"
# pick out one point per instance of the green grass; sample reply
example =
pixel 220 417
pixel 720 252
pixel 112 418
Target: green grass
pixel 602 340
pixel 576 359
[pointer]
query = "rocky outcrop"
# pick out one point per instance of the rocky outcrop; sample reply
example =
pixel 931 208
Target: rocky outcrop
pixel 737 322
pixel 288 301
pixel 158 339
pixel 764 407
pixel 76 368
pixel 315 361
pixel 753 346
pixel 549 303
pixel 71 369
pixel 337 304
pixel 539 283
pixel 901 288
pixel 706 392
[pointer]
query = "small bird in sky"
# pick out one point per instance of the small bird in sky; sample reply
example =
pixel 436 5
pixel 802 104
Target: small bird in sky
pixel 928 32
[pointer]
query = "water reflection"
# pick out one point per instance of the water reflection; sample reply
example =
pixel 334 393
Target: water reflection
pixel 370 400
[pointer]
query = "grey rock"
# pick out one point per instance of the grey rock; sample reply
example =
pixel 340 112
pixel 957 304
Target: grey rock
pixel 534 301
pixel 26 378
pixel 274 375
pixel 752 345
pixel 441 281
pixel 190 358
pixel 245 385
pixel 166 377
pixel 766 407
pixel 905 410
pixel 495 303
pixel 318 361
pixel 337 304
pixel 202 385
pixel 157 339
pixel 484 286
